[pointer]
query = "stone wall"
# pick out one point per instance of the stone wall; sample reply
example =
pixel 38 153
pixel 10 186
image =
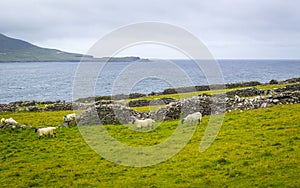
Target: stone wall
pixel 33 106
pixel 119 113
pixel 112 113
pixel 247 92
pixel 144 102
pixel 207 104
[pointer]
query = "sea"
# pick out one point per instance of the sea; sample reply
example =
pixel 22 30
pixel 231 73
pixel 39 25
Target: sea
pixel 53 81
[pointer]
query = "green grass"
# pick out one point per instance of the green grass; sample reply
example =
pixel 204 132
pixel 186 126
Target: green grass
pixel 37 119
pixel 147 108
pixel 254 148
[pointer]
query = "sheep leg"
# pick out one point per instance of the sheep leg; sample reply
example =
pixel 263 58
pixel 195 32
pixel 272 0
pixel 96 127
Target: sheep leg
pixel 182 121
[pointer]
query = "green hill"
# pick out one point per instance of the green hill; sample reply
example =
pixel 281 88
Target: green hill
pixel 15 50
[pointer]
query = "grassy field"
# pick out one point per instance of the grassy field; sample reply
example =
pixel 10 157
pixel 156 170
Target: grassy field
pixel 254 148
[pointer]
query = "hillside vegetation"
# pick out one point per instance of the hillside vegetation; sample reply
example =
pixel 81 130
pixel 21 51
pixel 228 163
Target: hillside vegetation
pixel 15 50
pixel 259 147
pixel 18 50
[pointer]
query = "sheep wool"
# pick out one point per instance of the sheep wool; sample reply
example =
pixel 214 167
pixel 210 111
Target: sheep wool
pixel 48 131
pixel 144 123
pixel 70 117
pixel 192 118
pixel 9 121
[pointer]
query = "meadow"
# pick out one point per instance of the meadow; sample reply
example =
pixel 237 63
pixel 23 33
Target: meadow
pixel 259 147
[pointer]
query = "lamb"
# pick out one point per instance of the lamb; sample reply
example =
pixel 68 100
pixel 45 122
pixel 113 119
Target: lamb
pixel 48 131
pixel 143 123
pixel 192 118
pixel 9 121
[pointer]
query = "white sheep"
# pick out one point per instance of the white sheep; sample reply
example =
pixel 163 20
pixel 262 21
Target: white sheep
pixel 192 118
pixel 68 118
pixel 48 131
pixel 143 123
pixel 9 121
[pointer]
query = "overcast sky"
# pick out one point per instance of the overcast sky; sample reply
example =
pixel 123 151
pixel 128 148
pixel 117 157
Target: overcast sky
pixel 229 28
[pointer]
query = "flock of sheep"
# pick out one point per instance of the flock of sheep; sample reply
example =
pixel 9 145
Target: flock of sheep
pixel 190 119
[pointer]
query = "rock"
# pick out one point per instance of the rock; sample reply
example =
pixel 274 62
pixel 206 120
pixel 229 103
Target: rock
pixel 32 108
pixel 112 113
pixel 136 95
pixel 247 92
pixel 59 106
pixel 264 105
pixel 8 107
pixel 273 82
pixel 144 102
pixel 137 103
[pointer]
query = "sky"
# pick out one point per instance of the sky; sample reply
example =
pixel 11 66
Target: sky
pixel 231 29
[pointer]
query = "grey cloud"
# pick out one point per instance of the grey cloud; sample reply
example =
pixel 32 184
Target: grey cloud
pixel 231 24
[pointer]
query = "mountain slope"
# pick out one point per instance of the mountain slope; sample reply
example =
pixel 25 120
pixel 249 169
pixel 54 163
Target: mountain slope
pixel 8 45
pixel 15 50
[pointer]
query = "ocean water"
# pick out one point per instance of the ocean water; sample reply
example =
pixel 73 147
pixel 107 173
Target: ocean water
pixel 50 81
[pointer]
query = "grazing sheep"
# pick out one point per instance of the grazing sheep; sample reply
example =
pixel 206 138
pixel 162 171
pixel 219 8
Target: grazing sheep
pixel 68 118
pixel 48 131
pixel 192 118
pixel 9 121
pixel 143 123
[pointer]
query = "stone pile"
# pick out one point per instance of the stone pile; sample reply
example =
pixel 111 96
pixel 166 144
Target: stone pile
pixel 8 107
pixel 247 92
pixel 107 113
pixel 33 106
pixel 206 104
pixel 144 102
pixel 241 103
pixel 294 87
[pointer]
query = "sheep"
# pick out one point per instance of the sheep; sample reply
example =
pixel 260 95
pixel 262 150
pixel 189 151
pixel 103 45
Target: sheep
pixel 9 121
pixel 192 118
pixel 143 123
pixel 48 131
pixel 68 118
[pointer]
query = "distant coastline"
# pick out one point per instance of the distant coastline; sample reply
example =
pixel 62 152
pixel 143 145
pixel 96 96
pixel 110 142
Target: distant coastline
pixel 16 50
pixel 103 59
